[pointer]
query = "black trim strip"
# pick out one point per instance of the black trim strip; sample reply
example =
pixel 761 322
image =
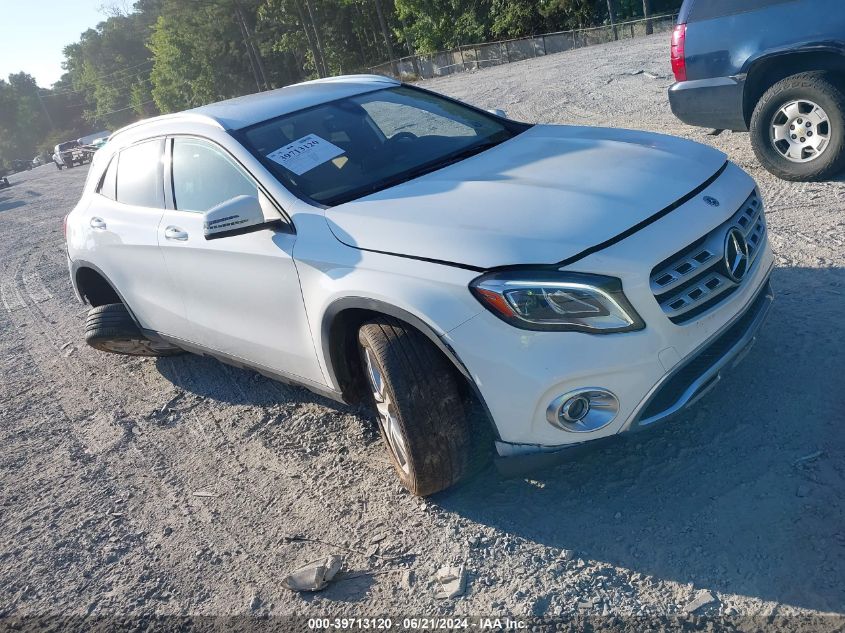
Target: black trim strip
pixel 613 240
pixel 276 225
pixel 569 260
pixel 418 258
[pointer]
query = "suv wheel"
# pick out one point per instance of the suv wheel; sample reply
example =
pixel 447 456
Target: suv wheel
pixel 110 328
pixel 798 128
pixel 425 420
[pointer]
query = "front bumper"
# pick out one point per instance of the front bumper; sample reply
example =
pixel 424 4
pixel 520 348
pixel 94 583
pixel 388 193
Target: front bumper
pixel 654 373
pixel 702 370
pixel 678 391
pixel 715 103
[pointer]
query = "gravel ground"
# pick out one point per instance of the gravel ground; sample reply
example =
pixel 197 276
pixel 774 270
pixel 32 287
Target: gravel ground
pixel 183 486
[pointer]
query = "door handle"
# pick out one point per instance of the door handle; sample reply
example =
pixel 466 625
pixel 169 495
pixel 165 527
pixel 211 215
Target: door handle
pixel 98 223
pixel 175 233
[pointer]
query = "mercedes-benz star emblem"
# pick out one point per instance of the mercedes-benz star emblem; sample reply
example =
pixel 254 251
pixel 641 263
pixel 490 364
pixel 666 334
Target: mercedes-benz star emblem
pixel 736 255
pixel 711 201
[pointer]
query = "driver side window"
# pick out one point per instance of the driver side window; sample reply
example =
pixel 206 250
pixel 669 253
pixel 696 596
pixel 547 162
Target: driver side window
pixel 203 176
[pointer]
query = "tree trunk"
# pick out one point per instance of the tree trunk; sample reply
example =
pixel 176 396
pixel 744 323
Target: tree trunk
pixel 388 43
pixel 311 43
pixel 252 49
pixel 649 26
pixel 411 50
pixel 612 12
pixel 320 48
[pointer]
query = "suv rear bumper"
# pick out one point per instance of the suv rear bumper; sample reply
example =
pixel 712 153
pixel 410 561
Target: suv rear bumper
pixel 715 103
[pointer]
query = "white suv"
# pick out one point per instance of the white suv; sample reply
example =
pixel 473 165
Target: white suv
pixel 481 282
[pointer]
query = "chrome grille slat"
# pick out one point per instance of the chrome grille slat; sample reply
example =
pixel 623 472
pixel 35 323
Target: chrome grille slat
pixel 693 279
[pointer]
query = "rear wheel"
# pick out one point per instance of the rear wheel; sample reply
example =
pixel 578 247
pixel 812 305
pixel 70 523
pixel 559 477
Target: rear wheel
pixel 798 128
pixel 110 328
pixel 433 436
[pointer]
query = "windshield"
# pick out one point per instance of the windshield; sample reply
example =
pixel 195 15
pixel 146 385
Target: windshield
pixel 345 149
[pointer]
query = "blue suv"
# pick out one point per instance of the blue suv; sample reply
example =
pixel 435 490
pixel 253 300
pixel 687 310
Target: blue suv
pixel 773 67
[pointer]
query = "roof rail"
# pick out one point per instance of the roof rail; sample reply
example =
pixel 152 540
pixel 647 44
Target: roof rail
pixel 183 116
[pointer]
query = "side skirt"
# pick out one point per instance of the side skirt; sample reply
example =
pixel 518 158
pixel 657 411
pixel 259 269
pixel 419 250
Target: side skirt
pixel 240 363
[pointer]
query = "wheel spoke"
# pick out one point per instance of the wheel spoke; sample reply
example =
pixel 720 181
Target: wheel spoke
pixel 780 132
pixel 387 419
pixel 791 110
pixel 817 142
pixel 794 152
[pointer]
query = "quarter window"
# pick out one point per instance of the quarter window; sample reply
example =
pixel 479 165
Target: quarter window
pixel 203 176
pixel 109 181
pixel 139 175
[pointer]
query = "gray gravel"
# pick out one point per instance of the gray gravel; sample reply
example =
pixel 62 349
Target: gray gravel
pixel 734 509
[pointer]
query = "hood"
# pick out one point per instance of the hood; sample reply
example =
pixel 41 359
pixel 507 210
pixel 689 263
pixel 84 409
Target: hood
pixel 538 198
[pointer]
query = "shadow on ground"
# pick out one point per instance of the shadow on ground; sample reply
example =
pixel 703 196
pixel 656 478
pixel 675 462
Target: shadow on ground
pixel 721 497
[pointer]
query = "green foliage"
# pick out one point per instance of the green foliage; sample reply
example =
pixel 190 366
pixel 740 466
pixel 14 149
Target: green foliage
pixel 22 122
pixel 167 55
pixel 436 25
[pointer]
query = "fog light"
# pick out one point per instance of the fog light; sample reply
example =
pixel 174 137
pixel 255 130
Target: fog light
pixel 583 410
pixel 575 409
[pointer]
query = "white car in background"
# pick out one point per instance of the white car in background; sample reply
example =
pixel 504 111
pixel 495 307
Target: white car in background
pixel 481 282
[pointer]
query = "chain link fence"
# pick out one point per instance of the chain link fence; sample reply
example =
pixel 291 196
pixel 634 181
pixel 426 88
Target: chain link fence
pixel 475 56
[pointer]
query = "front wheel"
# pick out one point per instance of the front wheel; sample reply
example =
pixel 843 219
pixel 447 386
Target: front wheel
pixel 432 437
pixel 110 328
pixel 798 128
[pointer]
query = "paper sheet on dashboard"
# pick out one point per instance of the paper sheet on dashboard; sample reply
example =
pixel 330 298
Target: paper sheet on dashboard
pixel 305 154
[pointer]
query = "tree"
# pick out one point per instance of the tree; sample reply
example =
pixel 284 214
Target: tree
pixel 649 27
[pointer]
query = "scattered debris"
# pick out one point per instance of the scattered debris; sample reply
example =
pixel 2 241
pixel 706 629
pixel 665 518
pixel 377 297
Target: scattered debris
pixel 370 552
pixel 255 602
pixel 408 579
pixel 808 458
pixel 651 75
pixel 452 582
pixel 702 598
pixel 567 554
pixel 314 576
pixel 204 493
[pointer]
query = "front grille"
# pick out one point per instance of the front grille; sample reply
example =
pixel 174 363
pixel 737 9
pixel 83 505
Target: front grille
pixel 672 391
pixel 695 279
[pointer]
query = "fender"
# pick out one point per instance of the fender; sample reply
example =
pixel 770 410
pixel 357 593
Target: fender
pixel 829 46
pixel 76 265
pixel 374 305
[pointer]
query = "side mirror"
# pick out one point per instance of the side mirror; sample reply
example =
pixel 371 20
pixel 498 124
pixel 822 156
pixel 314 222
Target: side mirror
pixel 498 112
pixel 238 215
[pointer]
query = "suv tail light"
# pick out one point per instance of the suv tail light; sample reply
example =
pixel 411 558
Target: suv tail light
pixel 679 61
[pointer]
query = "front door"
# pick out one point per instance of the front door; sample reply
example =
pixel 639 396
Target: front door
pixel 241 293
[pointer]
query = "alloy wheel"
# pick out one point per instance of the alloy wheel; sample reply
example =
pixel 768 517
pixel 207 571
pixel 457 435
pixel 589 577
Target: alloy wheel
pixel 800 131
pixel 387 419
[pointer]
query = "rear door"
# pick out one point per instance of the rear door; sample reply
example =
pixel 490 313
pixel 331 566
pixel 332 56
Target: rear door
pixel 241 293
pixel 123 221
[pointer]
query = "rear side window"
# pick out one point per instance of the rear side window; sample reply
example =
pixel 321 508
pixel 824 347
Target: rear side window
pixel 139 175
pixel 108 184
pixel 203 176
pixel 707 9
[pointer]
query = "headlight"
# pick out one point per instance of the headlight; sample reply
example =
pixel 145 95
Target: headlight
pixel 559 301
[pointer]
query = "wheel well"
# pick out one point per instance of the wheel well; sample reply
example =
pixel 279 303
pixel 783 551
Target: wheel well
pixel 344 356
pixel 94 288
pixel 765 73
